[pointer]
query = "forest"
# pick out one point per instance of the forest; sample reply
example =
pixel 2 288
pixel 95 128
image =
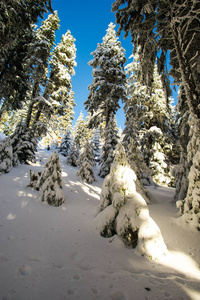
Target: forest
pixel 161 142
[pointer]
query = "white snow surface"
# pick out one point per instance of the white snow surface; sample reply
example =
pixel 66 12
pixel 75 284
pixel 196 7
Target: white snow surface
pixel 54 253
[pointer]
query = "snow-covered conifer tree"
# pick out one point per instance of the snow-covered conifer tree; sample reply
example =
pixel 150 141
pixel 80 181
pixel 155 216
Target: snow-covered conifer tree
pixel 152 149
pixel 146 111
pixel 124 212
pixel 80 131
pixel 172 26
pixel 62 65
pixel 73 154
pixel 96 144
pixel 6 156
pixel 65 143
pixel 50 182
pixel 39 52
pixel 110 141
pixel 24 143
pixel 108 78
pixel 85 163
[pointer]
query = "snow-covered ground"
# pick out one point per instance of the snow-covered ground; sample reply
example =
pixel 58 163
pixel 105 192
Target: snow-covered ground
pixel 54 252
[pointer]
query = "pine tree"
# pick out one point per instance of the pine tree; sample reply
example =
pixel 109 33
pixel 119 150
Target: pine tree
pixel 50 182
pixel 110 141
pixel 108 78
pixel 85 163
pixel 124 212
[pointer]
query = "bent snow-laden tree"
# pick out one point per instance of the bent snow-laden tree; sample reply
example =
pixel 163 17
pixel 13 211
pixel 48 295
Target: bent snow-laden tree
pixel 162 26
pixel 124 212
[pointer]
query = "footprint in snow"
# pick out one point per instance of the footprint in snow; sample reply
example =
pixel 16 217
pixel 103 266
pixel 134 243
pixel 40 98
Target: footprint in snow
pixel 117 296
pixel 25 270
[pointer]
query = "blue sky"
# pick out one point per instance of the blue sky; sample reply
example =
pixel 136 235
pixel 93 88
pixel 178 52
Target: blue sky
pixel 88 21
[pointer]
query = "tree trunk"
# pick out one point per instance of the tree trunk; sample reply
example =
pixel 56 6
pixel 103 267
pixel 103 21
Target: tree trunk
pixel 190 206
pixel 188 81
pixel 35 93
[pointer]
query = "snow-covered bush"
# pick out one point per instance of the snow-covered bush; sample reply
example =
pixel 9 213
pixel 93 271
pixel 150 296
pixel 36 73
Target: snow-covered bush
pixel 50 182
pixel 85 163
pixel 124 211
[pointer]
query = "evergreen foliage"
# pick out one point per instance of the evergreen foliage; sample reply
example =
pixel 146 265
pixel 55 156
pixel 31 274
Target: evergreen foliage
pixel 124 212
pixel 96 144
pixel 162 26
pixel 108 78
pixel 85 163
pixel 73 155
pixel 16 34
pixel 24 144
pixel 80 131
pixel 147 114
pixel 65 143
pixel 50 182
pixel 111 139
pixel 17 17
pixel 38 58
pixel 6 156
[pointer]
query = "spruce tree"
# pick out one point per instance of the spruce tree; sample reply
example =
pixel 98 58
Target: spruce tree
pixel 108 78
pixel 173 26
pixel 85 163
pixel 62 63
pixel 16 33
pixel 124 212
pixel 65 143
pixel 110 141
pixel 149 117
pixel 73 155
pixel 38 57
pixel 50 182
pixel 17 17
pixel 96 144
pixel 6 156
pixel 80 131
pixel 24 143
